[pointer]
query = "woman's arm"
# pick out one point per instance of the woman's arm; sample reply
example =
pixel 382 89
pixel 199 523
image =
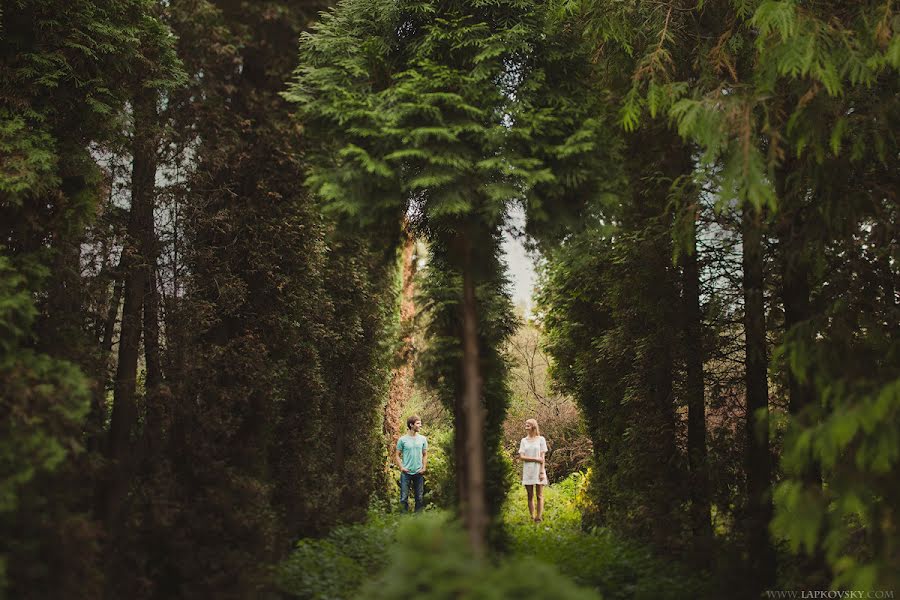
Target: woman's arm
pixel 531 459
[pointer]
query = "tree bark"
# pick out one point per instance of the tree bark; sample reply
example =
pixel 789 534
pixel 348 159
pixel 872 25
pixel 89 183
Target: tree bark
pixel 112 314
pixel 883 238
pixel 157 411
pixel 758 462
pixel 474 503
pixel 97 418
pixel 695 389
pixel 137 256
pixel 795 293
pixel 60 330
pixel 151 330
pixel 795 281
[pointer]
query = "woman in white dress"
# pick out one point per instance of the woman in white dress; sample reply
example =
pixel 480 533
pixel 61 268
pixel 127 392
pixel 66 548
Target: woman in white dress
pixel 532 449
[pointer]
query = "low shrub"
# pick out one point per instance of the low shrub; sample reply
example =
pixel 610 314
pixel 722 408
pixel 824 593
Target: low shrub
pixel 439 484
pixel 431 557
pixel 598 558
pixel 334 567
pixel 395 555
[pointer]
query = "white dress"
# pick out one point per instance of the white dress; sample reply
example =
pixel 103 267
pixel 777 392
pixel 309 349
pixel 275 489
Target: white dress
pixel 532 448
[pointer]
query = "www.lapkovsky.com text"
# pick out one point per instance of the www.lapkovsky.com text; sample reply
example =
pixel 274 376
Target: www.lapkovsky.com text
pixel 817 594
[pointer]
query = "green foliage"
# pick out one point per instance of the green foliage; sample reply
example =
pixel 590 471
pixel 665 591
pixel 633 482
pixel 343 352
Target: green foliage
pixel 431 557
pixel 448 113
pixel 338 565
pixel 597 558
pixel 280 358
pixel 609 299
pixel 67 70
pixel 463 112
pixel 280 313
pixel 852 436
pixel 29 158
pixel 43 400
pixel 791 106
pixel 439 484
pixel 438 367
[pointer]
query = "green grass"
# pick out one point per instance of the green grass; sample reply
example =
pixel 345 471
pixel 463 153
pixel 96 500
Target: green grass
pixel 394 554
pixel 598 559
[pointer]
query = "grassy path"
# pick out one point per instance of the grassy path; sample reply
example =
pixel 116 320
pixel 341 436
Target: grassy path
pixel 394 555
pixel 598 560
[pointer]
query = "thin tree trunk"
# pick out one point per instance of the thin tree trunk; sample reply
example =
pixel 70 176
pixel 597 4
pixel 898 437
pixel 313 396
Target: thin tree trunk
pixel 151 330
pixel 460 459
pixel 60 332
pixel 758 462
pixel 796 290
pixel 663 397
pixel 137 255
pixel 795 285
pixel 157 413
pixel 99 408
pixel 112 314
pixel 475 502
pixel 883 238
pixel 695 390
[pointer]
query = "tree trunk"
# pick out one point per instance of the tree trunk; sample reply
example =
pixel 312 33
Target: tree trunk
pixel 883 239
pixel 97 418
pixel 662 396
pixel 136 258
pixel 151 330
pixel 112 314
pixel 157 411
pixel 60 331
pixel 758 462
pixel 474 503
pixel 795 281
pixel 795 293
pixel 696 438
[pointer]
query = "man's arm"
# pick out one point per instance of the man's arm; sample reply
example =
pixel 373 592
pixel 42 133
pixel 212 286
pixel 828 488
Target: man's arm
pixel 399 460
pixel 424 460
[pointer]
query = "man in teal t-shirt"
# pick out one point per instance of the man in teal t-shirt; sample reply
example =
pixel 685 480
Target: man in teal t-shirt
pixel 412 458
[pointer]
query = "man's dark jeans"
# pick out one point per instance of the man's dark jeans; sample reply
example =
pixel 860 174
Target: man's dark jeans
pixel 417 482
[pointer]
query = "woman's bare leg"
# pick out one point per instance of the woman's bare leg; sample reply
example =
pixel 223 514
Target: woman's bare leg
pixel 540 502
pixel 530 490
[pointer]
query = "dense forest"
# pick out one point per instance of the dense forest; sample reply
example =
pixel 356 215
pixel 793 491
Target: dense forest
pixel 240 242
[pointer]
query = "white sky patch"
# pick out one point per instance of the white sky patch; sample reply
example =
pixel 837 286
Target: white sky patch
pixel 519 263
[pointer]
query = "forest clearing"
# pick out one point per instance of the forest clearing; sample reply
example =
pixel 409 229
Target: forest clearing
pixel 262 293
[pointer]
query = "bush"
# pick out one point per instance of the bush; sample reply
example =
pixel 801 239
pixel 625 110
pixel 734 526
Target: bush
pixel 333 568
pixel 432 558
pixel 533 396
pixel 439 480
pixel 597 559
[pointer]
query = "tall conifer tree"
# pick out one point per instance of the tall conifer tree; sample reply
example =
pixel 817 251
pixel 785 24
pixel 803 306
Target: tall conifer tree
pixel 445 110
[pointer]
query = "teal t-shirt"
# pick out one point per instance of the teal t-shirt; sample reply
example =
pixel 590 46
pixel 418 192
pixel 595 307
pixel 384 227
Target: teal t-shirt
pixel 411 449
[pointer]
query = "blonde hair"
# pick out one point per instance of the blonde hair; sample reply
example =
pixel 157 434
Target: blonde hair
pixel 534 423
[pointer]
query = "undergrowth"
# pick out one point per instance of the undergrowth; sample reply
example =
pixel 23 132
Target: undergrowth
pixel 394 555
pixel 598 559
